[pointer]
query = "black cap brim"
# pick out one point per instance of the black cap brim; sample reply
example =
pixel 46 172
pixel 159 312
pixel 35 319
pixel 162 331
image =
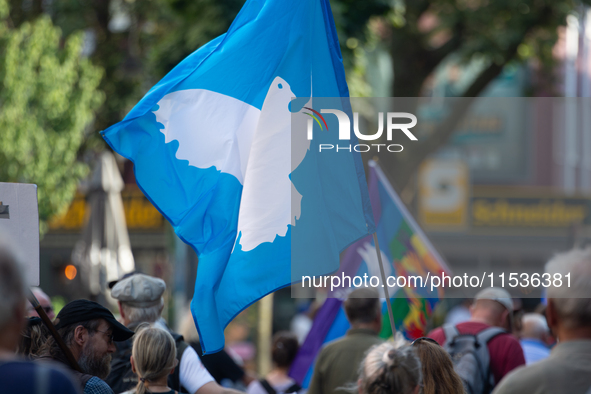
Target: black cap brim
pixel 120 332
pixel 83 310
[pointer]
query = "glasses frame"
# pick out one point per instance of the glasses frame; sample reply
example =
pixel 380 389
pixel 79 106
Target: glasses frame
pixel 110 337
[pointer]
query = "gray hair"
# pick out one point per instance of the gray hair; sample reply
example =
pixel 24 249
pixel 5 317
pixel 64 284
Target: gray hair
pixel 386 369
pixel 534 326
pixel 573 304
pixel 142 315
pixel 12 282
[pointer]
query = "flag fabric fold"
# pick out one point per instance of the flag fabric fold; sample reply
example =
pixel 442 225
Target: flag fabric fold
pixel 405 251
pixel 219 147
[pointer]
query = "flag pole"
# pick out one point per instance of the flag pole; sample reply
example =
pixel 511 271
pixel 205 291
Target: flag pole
pixel 384 283
pixel 264 334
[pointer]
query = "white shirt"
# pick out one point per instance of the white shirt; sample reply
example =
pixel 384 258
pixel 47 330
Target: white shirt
pixel 301 325
pixel 193 375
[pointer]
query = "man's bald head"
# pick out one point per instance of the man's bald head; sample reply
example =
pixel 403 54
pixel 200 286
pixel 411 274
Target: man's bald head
pixel 490 312
pixel 493 306
pixel 489 305
pixel 45 303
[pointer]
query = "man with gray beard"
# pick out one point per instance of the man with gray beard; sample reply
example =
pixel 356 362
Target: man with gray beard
pixel 89 330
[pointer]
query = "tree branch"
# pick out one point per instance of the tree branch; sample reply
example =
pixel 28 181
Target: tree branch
pixel 452 45
pixel 445 130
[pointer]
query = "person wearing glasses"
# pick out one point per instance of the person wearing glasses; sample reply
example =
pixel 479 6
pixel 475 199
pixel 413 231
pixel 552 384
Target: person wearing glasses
pixel 89 330
pixel 18 375
pixel 45 303
pixel 439 376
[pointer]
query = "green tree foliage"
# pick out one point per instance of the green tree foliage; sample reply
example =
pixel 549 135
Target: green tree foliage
pixel 135 42
pixel 48 94
pixel 188 25
pixel 420 34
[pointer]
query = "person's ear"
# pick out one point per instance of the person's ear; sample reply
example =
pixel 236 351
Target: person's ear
pixel 80 335
pixel 176 363
pixel 121 310
pixel 505 321
pixel 416 391
pixel 132 365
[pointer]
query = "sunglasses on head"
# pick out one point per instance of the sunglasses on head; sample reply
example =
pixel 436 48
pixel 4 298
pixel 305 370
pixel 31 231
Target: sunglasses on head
pixel 426 339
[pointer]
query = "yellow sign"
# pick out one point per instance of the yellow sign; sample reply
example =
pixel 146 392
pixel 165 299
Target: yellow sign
pixel 528 212
pixel 140 214
pixel 443 194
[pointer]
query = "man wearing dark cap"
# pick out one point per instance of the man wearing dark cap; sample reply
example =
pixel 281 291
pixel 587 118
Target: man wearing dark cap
pixel 18 375
pixel 89 330
pixel 140 301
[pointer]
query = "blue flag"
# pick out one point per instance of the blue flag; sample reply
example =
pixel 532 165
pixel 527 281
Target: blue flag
pixel 214 151
pixel 405 251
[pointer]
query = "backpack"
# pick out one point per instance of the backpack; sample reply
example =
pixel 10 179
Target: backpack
pixel 294 388
pixel 122 377
pixel 469 354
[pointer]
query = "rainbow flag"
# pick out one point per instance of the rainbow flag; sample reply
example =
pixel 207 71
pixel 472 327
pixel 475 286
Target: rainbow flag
pixel 406 252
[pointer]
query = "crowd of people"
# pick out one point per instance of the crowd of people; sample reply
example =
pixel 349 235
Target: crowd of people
pixel 480 355
pixel 96 353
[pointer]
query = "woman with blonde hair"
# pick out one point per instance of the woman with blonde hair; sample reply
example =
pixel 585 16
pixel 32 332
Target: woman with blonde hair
pixel 153 358
pixel 388 370
pixel 439 376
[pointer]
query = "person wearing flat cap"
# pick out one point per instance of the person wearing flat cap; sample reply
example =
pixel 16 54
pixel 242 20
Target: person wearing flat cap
pixel 90 331
pixel 140 301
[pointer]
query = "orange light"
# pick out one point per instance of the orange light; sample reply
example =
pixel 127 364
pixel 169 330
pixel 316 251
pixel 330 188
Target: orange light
pixel 70 272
